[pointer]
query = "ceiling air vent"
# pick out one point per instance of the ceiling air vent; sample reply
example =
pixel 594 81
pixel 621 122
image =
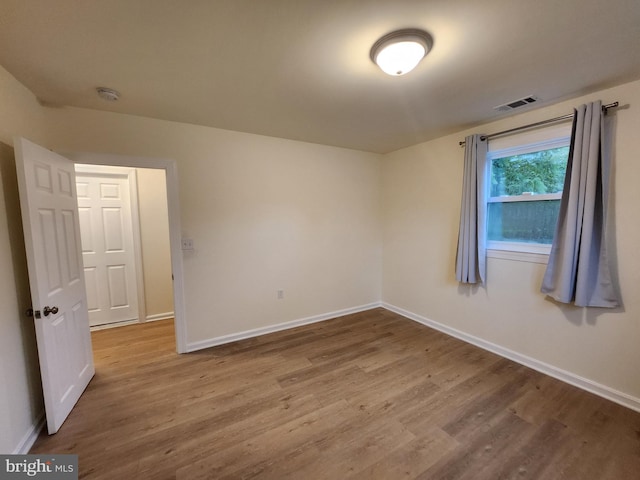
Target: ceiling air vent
pixel 521 102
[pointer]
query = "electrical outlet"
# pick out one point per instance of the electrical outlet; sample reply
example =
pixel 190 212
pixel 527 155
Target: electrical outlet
pixel 280 294
pixel 187 244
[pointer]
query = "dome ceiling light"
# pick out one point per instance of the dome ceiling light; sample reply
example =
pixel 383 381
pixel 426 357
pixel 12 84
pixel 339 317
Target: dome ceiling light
pixel 400 52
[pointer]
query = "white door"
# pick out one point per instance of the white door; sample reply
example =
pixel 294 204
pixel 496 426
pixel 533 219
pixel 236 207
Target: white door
pixel 52 239
pixel 104 208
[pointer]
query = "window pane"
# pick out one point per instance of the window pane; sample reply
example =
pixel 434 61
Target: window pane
pixel 532 222
pixel 535 173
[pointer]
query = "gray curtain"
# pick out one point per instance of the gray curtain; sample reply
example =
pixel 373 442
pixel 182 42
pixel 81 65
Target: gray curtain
pixel 471 254
pixel 578 269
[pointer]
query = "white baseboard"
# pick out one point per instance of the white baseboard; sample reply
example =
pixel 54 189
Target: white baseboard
pixel 148 318
pixel 604 391
pixel 30 437
pixel 106 326
pixel 234 337
pixel 159 316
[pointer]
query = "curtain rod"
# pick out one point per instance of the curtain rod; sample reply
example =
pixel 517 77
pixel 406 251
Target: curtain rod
pixel 538 124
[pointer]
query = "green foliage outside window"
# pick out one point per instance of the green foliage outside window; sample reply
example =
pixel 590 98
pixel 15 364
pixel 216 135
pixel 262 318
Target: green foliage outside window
pixel 536 173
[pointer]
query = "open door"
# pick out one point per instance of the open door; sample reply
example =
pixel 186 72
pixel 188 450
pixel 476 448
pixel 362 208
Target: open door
pixel 47 188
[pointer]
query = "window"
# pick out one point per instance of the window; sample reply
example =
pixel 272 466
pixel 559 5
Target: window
pixel 525 178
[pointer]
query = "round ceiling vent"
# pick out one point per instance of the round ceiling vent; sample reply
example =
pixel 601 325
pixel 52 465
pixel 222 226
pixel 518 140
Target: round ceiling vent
pixel 108 94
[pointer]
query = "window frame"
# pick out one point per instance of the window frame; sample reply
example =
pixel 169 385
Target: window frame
pixel 547 138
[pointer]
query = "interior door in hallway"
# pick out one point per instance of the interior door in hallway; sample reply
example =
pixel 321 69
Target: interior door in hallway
pixel 105 213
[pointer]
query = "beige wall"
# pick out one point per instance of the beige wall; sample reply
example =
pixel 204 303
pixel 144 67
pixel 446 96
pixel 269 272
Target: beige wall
pixel 421 205
pixel 154 239
pixel 20 393
pixel 265 214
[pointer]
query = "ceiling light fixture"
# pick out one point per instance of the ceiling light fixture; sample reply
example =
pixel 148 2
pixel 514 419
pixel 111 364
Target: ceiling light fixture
pixel 400 52
pixel 108 94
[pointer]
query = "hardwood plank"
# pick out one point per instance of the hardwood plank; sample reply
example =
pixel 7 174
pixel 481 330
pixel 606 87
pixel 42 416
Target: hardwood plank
pixel 483 452
pixel 369 395
pixel 254 453
pixel 411 459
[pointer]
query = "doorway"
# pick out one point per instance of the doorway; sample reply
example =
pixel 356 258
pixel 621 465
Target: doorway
pixel 169 168
pixel 48 202
pixel 110 233
pixel 125 244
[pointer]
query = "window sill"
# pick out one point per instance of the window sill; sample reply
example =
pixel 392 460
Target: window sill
pixel 521 252
pixel 519 256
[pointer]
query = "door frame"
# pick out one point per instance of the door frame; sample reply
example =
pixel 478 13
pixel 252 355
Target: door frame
pixel 175 232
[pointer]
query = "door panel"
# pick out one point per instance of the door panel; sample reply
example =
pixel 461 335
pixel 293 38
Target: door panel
pixel 109 191
pixel 50 249
pixel 52 234
pixel 113 227
pixel 118 286
pixel 69 222
pixel 91 282
pixel 64 185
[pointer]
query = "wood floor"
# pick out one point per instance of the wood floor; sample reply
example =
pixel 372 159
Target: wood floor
pixel 366 396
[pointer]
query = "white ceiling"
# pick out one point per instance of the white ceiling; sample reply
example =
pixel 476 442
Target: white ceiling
pixel 300 69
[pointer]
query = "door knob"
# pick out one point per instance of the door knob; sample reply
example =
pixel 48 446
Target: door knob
pixel 47 310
